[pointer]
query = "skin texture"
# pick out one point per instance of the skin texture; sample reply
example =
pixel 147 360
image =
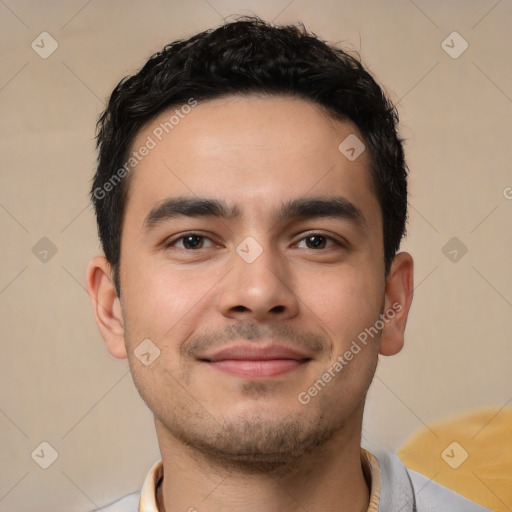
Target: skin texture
pixel 240 442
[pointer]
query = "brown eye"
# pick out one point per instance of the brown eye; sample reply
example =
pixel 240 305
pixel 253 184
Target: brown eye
pixel 318 241
pixel 190 242
pixel 193 241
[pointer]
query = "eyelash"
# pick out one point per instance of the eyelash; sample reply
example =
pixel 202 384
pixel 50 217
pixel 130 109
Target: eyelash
pixel 172 242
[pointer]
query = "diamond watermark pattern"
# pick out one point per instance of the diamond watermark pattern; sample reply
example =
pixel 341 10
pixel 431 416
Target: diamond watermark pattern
pixel 454 249
pixel 44 45
pixel 249 250
pixel 454 45
pixel 147 352
pixel 454 455
pixel 45 455
pixel 352 147
pixel 44 250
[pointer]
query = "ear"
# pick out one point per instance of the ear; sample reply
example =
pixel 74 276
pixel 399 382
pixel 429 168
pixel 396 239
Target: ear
pixel 397 302
pixel 106 305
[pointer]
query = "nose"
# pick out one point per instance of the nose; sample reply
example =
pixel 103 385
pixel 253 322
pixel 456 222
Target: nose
pixel 260 290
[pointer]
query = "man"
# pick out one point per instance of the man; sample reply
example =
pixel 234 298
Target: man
pixel 251 198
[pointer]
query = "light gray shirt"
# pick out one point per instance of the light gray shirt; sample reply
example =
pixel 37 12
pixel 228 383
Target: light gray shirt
pixel 401 490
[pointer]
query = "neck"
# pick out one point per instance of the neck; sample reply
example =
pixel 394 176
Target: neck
pixel 330 478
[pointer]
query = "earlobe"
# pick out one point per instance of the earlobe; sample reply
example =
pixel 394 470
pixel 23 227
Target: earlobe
pixel 106 306
pixel 398 298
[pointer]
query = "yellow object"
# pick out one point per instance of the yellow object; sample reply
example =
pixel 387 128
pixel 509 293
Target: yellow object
pixel 470 453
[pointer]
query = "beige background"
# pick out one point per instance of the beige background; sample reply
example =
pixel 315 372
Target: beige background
pixel 59 384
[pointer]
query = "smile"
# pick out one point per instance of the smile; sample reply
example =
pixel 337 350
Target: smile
pixel 263 368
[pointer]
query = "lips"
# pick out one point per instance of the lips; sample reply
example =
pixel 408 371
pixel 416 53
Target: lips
pixel 250 361
pixel 254 353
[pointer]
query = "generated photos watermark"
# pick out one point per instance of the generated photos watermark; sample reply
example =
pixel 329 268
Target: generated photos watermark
pixel 150 143
pixel 356 346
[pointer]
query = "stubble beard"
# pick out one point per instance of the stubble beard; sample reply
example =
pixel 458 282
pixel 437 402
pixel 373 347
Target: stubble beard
pixel 254 443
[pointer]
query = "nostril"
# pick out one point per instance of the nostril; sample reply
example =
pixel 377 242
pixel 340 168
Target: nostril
pixel 240 308
pixel 277 309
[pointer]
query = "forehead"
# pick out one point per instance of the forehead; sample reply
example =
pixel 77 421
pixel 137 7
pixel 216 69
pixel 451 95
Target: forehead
pixel 251 151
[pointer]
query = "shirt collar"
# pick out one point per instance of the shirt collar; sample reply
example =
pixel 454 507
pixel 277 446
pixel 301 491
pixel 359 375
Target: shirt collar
pixel 369 463
pixel 148 492
pixel 371 472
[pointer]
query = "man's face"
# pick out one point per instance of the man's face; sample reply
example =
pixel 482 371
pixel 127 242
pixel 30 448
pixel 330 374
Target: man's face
pixel 251 305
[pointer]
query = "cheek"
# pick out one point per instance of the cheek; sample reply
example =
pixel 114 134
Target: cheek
pixel 345 300
pixel 159 301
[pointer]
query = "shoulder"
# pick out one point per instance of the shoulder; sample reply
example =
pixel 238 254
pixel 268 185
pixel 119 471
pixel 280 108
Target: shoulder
pixel 432 496
pixel 400 485
pixel 129 503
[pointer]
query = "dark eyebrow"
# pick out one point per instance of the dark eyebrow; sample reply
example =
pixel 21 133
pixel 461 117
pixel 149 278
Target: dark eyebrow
pixel 189 207
pixel 335 207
